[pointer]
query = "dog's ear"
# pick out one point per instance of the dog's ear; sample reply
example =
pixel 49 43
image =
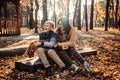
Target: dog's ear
pixel 31 49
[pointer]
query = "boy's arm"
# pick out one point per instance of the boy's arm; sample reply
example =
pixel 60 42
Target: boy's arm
pixel 51 43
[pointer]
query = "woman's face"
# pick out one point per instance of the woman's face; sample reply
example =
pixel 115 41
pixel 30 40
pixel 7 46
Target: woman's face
pixel 61 27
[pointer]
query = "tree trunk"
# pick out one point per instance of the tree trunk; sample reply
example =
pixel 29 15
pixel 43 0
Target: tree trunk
pixel 75 13
pixel 5 16
pixel 54 16
pixel 31 16
pixel 45 18
pixel 0 18
pixel 28 13
pixel 91 15
pixel 36 11
pixel 68 8
pixel 83 17
pixel 96 18
pixel 86 18
pixel 107 15
pixel 116 13
pixel 119 23
pixel 79 15
pixel 113 16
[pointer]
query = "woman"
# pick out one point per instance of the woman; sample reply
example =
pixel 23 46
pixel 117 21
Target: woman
pixel 66 38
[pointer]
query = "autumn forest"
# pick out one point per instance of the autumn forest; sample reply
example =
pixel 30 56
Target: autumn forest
pixel 97 39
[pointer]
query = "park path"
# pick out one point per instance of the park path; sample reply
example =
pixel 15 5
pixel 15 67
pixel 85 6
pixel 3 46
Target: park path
pixel 33 37
pixel 78 35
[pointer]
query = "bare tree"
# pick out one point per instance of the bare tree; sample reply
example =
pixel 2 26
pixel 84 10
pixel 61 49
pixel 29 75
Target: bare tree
pixel 74 24
pixel 86 18
pixel 54 16
pixel 36 12
pixel 116 13
pixel 45 17
pixel 83 18
pixel 68 8
pixel 113 18
pixel 27 16
pixel 79 15
pixel 96 16
pixel 62 8
pixel 107 14
pixel 31 15
pixel 0 18
pixel 91 15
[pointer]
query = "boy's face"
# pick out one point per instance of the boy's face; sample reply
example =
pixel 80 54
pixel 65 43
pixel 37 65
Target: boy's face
pixel 47 27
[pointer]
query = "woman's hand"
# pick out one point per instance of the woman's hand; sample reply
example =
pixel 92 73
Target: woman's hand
pixel 59 44
pixel 64 47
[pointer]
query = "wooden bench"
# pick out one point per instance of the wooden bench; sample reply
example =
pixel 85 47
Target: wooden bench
pixel 29 64
pixel 32 64
pixel 87 52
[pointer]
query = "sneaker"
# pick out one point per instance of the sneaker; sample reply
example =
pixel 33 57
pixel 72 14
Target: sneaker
pixel 77 69
pixel 87 67
pixel 49 71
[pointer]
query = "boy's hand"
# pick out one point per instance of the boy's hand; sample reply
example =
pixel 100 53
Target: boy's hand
pixel 56 45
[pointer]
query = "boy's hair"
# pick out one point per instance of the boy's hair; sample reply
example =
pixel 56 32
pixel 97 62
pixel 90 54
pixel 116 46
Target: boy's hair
pixel 52 24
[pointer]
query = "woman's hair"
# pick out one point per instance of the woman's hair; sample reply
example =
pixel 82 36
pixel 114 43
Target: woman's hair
pixel 52 24
pixel 65 23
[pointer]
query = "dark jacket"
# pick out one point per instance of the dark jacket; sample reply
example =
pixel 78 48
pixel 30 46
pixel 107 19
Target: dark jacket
pixel 50 37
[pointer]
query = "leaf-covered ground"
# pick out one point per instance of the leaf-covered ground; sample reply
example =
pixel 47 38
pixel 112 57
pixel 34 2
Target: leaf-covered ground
pixel 105 65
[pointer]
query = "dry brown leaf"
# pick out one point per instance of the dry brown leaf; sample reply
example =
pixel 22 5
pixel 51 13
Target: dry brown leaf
pixel 96 70
pixel 116 75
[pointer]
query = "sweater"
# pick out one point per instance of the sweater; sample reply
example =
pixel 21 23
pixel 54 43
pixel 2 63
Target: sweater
pixel 70 42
